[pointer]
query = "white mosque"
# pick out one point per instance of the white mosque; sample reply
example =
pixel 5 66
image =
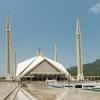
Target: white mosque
pixel 42 68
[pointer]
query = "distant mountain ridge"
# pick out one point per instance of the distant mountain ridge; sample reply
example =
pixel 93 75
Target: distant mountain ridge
pixel 90 69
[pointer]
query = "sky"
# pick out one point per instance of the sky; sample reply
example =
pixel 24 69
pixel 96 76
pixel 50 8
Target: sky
pixel 42 23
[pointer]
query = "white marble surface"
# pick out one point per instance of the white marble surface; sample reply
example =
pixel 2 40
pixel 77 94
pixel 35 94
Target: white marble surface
pixel 24 95
pixel 6 88
pixel 79 94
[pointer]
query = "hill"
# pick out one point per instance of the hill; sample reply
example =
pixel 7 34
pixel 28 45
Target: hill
pixel 90 69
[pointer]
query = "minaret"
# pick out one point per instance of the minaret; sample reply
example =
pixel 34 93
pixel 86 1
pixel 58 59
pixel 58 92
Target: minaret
pixel 55 53
pixel 8 47
pixel 79 52
pixel 15 63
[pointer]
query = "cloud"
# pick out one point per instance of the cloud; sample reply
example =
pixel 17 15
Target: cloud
pixel 95 8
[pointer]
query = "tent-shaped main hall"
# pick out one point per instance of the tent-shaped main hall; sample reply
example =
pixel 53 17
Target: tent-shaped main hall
pixel 40 68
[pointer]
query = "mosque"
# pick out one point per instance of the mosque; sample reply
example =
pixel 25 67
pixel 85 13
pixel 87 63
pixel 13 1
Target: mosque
pixel 40 68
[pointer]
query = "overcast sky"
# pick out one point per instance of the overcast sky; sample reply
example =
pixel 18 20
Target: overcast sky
pixel 42 23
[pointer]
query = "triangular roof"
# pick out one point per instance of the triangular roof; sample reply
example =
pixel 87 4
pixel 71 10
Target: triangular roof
pixel 26 66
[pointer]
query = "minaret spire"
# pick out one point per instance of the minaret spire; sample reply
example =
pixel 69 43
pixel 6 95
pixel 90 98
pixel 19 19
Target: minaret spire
pixel 79 52
pixel 55 53
pixel 8 33
pixel 39 53
pixel 78 31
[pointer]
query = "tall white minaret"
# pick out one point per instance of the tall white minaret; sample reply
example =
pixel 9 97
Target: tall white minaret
pixel 8 39
pixel 55 53
pixel 79 52
pixel 15 63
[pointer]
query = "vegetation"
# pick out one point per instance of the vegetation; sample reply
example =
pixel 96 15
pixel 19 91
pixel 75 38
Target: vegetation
pixel 90 69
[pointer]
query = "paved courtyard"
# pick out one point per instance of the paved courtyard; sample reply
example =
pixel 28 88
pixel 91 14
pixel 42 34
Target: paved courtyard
pixel 6 88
